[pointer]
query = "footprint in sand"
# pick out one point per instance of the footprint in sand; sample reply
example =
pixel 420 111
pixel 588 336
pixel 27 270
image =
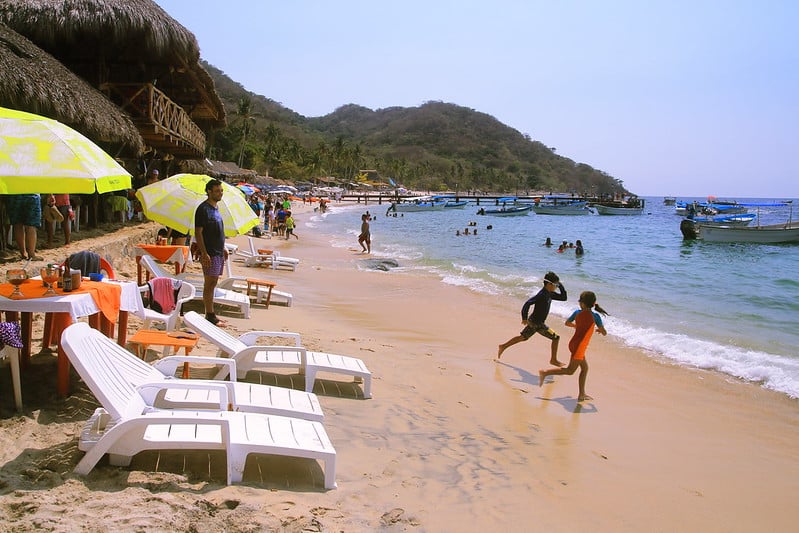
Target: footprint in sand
pixel 392 517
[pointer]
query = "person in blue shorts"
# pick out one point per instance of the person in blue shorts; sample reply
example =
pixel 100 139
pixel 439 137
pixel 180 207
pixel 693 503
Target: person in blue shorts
pixel 536 322
pixel 25 215
pixel 209 231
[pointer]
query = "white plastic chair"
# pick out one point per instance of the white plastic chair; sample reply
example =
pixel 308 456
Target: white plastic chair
pixel 251 356
pixel 222 295
pixel 171 320
pixel 274 260
pixel 126 424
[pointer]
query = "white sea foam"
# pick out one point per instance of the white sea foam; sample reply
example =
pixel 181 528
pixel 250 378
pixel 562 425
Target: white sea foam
pixel 474 284
pixel 774 372
pixel 688 303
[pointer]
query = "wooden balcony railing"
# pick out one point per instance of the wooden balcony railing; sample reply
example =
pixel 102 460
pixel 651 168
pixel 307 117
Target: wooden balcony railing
pixel 162 123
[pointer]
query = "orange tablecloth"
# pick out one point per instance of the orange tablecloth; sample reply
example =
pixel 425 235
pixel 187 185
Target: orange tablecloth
pixel 106 296
pixel 165 253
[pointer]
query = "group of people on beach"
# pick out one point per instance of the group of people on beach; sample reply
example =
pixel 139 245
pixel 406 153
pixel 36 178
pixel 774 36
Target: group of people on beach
pixel 583 320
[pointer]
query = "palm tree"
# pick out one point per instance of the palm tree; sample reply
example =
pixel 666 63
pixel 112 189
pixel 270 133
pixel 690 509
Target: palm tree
pixel 245 113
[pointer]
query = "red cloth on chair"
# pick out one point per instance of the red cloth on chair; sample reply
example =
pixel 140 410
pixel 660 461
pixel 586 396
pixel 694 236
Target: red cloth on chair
pixel 163 291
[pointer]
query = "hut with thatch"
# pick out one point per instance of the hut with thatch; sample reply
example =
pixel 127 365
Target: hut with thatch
pixel 134 52
pixel 34 81
pixel 223 170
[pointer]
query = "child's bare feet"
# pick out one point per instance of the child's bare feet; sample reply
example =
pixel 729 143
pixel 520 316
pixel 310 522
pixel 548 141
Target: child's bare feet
pixel 541 378
pixel 555 362
pixel 584 398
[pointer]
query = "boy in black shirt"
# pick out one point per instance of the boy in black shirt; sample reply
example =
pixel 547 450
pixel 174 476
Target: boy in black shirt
pixel 535 323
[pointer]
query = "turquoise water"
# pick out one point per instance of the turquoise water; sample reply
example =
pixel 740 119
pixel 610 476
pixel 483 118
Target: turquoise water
pixel 728 307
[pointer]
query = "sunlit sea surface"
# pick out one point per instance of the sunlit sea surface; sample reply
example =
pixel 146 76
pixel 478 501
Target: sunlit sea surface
pixel 733 308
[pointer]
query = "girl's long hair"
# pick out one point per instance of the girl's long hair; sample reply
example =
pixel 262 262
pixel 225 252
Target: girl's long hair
pixel 589 299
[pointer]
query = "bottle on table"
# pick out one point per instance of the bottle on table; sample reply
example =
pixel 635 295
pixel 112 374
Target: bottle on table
pixel 66 281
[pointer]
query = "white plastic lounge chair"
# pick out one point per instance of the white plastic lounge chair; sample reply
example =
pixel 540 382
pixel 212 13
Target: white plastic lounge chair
pixel 160 389
pixel 222 296
pixel 185 294
pixel 127 425
pixel 249 356
pixel 239 284
pixel 274 260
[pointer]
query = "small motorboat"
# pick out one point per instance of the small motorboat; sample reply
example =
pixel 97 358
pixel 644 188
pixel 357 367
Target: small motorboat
pixel 561 206
pixel 507 211
pixel 424 203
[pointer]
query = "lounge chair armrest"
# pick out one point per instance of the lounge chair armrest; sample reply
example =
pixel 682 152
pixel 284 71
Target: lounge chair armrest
pixel 169 365
pixel 226 283
pixel 251 337
pixel 148 391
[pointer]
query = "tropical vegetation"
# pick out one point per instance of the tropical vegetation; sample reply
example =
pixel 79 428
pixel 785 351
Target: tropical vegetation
pixel 436 146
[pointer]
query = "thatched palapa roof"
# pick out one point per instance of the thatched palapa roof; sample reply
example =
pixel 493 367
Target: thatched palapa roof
pixel 226 170
pixel 115 41
pixel 139 26
pixel 34 81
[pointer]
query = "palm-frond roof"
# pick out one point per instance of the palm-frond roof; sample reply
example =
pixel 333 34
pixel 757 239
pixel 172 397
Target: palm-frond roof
pixel 34 81
pixel 121 41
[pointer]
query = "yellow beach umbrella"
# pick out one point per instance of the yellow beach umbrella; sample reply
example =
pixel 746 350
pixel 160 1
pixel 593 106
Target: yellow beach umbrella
pixel 40 155
pixel 173 201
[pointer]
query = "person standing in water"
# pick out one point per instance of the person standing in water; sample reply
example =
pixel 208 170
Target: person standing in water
pixel 365 238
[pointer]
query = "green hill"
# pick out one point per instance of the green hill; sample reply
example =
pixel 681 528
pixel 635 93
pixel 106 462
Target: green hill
pixel 436 146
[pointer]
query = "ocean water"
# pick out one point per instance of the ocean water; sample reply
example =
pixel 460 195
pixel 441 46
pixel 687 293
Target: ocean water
pixel 733 308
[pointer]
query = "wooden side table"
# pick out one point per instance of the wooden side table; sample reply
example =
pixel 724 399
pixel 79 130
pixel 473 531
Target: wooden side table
pixel 258 283
pixel 173 339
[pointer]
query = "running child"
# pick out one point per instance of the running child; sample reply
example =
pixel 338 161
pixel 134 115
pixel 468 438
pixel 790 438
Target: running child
pixel 583 321
pixel 536 322
pixel 290 226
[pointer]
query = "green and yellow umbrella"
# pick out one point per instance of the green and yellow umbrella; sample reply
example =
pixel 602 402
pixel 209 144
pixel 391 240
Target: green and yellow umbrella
pixel 173 201
pixel 41 155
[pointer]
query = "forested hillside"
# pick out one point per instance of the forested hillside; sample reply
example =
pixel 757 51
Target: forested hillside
pixel 436 146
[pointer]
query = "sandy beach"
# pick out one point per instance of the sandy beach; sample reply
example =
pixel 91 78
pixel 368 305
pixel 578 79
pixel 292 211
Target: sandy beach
pixel 452 439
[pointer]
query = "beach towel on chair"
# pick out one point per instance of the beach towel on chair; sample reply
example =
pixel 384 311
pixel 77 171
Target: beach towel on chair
pixel 85 261
pixel 163 294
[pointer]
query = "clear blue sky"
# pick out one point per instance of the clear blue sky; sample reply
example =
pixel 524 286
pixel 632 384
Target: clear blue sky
pixel 671 97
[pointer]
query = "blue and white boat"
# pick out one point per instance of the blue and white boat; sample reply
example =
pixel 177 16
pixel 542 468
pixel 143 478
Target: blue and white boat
pixel 452 202
pixel 742 219
pixel 787 232
pixel 422 203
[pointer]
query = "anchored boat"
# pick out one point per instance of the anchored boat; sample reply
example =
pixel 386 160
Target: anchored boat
pixel 632 206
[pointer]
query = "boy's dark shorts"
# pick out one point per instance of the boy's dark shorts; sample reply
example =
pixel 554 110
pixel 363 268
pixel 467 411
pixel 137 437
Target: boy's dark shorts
pixel 535 327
